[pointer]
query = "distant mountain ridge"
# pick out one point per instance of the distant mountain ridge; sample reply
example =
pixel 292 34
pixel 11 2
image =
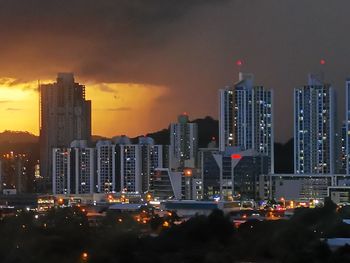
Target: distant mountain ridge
pixel 19 142
pixel 18 137
pixel 25 142
pixel 207 130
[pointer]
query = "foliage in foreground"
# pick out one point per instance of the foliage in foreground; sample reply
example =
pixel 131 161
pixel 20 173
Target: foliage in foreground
pixel 64 235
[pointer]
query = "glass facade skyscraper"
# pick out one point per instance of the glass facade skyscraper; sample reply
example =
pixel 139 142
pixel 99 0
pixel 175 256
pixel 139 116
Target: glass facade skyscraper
pixel 314 127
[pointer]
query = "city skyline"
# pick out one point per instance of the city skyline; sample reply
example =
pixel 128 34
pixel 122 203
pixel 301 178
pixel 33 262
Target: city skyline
pixel 100 120
pixel 170 52
pixel 174 131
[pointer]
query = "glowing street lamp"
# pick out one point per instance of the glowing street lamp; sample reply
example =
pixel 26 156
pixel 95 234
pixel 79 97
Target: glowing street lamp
pixel 148 197
pixel 188 172
pixel 283 202
pixel 60 201
pixel 84 256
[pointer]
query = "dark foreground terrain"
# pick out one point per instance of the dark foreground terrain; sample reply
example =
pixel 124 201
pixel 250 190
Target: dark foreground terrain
pixel 64 235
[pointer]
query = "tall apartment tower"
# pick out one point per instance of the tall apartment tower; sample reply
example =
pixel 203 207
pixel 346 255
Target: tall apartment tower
pixel 343 154
pixel 246 117
pixel 347 127
pixel 83 159
pixel 183 143
pixel 151 158
pixel 73 169
pixel 106 166
pixel 14 172
pixel 131 167
pixel 65 115
pixel 314 127
pixel 61 171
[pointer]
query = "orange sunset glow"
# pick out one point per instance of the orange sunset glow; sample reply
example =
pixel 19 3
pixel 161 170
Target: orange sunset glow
pixel 117 108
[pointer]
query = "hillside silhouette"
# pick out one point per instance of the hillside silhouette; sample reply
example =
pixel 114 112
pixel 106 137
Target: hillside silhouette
pixel 25 142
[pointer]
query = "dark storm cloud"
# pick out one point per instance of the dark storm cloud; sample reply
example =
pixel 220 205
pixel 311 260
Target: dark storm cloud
pixel 187 45
pixel 105 40
pixel 106 88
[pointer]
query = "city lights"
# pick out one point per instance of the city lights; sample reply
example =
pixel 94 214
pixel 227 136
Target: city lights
pixel 174 131
pixel 85 256
pixel 236 156
pixel 188 172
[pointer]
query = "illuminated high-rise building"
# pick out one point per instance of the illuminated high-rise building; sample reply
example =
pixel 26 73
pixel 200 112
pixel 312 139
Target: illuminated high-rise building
pixel 61 171
pixel 131 167
pixel 183 143
pixel 14 169
pixel 246 117
pixel 314 127
pixel 152 157
pixel 343 155
pixel 210 172
pixel 347 128
pixel 65 115
pixel 106 166
pixel 73 169
pixel 83 160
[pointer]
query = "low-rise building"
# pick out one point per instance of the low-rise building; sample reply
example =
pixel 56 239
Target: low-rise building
pixel 339 194
pixel 299 187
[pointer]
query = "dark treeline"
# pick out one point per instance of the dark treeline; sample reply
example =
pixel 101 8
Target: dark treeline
pixel 64 235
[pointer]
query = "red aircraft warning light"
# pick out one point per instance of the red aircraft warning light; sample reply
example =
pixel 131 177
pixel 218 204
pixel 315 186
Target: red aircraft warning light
pixel 239 62
pixel 236 156
pixel 322 61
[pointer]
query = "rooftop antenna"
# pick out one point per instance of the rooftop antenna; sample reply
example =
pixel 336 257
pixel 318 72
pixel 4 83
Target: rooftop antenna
pixel 239 64
pixel 323 64
pixel 39 94
pixel 317 78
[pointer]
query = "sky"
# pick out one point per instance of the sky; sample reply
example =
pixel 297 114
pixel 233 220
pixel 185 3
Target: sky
pixel 145 62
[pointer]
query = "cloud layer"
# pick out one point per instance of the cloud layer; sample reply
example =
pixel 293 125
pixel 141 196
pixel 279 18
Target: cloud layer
pixel 187 46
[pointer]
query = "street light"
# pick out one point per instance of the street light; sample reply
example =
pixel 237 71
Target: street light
pixel 84 256
pixel 283 202
pixel 188 172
